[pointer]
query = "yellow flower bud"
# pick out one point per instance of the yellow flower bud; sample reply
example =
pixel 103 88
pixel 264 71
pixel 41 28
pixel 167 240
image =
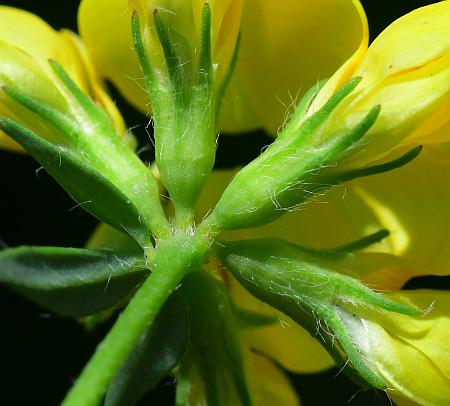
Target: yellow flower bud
pixel 27 44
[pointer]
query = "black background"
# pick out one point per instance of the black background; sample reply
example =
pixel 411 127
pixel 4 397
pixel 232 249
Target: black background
pixel 41 354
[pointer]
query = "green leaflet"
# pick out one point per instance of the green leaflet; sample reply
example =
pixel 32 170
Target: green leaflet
pixel 71 281
pixel 214 355
pixel 158 351
pixel 337 178
pixel 90 189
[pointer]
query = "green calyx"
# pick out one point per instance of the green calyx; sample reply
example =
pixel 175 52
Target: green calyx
pixel 297 117
pixel 302 283
pixel 125 193
pixel 299 164
pixel 287 172
pixel 186 97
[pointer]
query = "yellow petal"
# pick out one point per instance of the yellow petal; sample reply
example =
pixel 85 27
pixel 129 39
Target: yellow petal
pixel 109 43
pixel 413 354
pixel 379 271
pixel 401 401
pixel 291 346
pixel 435 129
pixel 287 47
pixel 269 385
pixel 225 28
pixel 25 31
pixel 346 71
pixel 26 45
pixel 105 27
pixel 8 144
pixel 272 65
pixel 20 70
pixel 406 71
pixel 412 202
pixel 408 44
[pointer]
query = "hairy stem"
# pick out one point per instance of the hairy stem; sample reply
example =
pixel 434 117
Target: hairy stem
pixel 174 258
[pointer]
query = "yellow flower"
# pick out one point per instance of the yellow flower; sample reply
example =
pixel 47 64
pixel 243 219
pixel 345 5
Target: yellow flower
pixel 26 45
pixel 119 63
pixel 406 71
pixel 286 48
pixel 271 72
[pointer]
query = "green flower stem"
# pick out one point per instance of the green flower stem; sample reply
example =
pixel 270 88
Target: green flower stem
pixel 174 259
pixel 184 218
